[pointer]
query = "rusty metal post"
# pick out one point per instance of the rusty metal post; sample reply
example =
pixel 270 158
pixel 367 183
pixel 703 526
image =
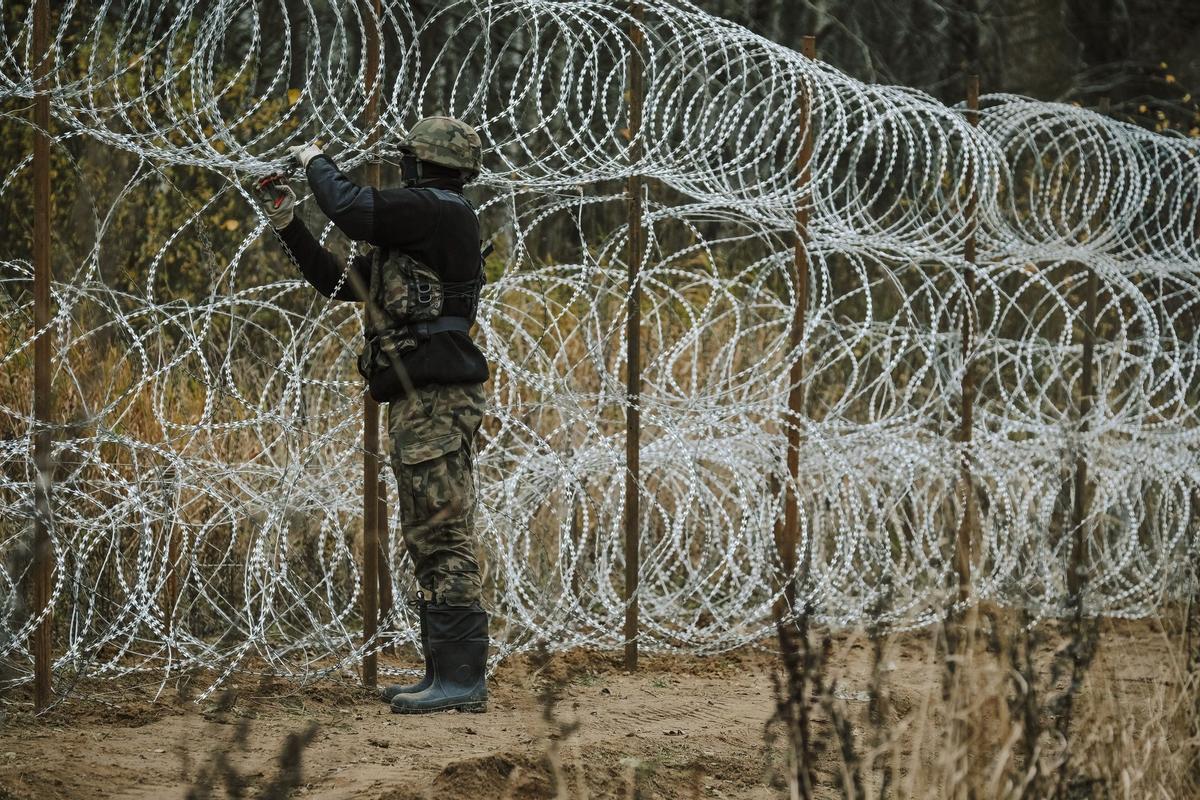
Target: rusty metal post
pixel 962 681
pixel 964 543
pixel 787 539
pixel 1087 397
pixel 633 345
pixel 370 582
pixel 42 399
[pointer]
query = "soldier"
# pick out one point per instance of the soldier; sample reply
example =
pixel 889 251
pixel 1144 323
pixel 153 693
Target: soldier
pixel 421 285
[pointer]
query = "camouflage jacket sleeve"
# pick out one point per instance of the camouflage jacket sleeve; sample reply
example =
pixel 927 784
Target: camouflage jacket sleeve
pixel 322 268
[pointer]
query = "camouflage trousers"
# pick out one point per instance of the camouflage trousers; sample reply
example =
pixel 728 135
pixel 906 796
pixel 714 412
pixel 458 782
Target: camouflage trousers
pixel 432 432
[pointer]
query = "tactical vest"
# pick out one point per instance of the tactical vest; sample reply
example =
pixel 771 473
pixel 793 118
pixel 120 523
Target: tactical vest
pixel 404 307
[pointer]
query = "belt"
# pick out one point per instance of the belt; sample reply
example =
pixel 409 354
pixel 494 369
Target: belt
pixel 441 325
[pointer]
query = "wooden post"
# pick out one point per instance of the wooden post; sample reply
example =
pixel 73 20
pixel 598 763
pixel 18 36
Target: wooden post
pixel 370 582
pixel 964 543
pixel 962 681
pixel 42 399
pixel 787 539
pixel 633 346
pixel 1076 569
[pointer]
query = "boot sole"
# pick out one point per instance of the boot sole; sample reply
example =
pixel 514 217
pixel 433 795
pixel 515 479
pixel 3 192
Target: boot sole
pixel 472 707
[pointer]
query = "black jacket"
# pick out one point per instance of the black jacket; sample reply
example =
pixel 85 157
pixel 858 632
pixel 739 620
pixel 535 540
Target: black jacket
pixel 440 233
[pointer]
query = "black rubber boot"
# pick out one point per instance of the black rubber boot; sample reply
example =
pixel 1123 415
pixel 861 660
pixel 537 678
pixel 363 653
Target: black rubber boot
pixel 458 646
pixel 388 692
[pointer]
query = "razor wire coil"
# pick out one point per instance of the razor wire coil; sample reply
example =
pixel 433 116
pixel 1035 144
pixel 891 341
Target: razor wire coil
pixel 221 535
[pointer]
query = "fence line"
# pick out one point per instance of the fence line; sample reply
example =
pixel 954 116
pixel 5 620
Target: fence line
pixel 238 389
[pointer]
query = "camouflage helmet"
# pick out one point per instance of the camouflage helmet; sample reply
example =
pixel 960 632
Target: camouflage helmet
pixel 446 141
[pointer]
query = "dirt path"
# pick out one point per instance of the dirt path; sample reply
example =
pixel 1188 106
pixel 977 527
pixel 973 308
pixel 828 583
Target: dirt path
pixel 682 727
pixel 659 725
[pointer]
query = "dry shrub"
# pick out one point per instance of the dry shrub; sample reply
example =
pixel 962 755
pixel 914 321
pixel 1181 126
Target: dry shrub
pixel 1023 710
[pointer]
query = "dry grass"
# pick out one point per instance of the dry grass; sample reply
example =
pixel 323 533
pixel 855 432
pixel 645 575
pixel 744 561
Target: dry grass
pixel 883 720
pixel 1025 711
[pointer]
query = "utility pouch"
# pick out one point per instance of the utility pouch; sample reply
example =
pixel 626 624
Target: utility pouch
pixel 410 291
pixel 383 350
pixel 405 296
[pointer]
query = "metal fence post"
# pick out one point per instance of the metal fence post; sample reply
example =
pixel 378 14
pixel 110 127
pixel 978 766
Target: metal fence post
pixel 42 398
pixel 370 582
pixel 788 538
pixel 633 346
pixel 964 543
pixel 1076 568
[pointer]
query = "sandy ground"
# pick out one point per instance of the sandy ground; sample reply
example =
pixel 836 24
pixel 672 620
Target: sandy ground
pixel 681 727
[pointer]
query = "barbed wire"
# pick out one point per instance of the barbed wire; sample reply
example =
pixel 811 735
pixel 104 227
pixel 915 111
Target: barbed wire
pixel 218 534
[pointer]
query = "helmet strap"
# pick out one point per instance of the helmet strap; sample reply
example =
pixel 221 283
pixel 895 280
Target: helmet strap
pixel 410 169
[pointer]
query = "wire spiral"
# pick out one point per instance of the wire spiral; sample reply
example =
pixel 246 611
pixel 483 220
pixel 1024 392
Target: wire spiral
pixel 218 533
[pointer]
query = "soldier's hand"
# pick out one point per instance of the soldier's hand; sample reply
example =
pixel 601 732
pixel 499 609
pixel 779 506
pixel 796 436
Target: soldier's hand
pixel 304 153
pixel 277 199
